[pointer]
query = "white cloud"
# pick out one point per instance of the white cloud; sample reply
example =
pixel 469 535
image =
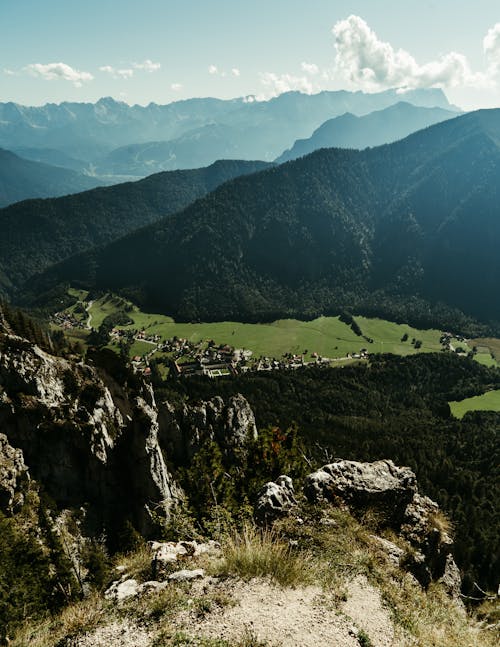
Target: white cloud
pixel 176 87
pixel 54 71
pixel 372 64
pixel 310 68
pixel 212 69
pixel 147 65
pixel 278 83
pixel 235 71
pixel 8 72
pixel 491 48
pixel 117 74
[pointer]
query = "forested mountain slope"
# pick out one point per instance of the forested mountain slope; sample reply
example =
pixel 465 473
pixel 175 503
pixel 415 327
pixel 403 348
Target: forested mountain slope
pixel 336 229
pixel 21 179
pixel 38 233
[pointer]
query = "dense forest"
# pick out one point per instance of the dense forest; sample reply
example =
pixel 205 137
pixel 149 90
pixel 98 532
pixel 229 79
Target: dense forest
pixel 395 407
pixel 403 228
pixel 38 233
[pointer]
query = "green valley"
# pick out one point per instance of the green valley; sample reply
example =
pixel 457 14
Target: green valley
pixel 328 339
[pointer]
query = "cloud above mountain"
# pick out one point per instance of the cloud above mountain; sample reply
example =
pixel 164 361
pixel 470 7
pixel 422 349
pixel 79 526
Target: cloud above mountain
pixel 365 62
pixel 58 71
pixel 369 63
pixel 276 84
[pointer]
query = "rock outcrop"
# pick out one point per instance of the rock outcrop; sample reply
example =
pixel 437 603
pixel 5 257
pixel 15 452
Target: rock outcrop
pixel 13 476
pixel 380 486
pixel 275 500
pixel 231 424
pixel 88 439
pixel 391 493
pixel 96 441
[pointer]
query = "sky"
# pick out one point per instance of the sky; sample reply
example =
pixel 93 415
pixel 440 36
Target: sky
pixel 165 50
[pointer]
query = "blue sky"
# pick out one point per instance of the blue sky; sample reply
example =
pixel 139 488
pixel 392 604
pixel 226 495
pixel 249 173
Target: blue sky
pixel 164 50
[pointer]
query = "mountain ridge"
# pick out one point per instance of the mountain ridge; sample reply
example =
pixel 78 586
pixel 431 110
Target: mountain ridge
pixel 38 233
pixel 375 129
pixel 22 179
pixel 327 231
pixel 90 131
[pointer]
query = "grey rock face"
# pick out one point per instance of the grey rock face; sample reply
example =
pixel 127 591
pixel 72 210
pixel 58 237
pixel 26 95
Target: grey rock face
pixel 380 485
pixel 230 424
pixel 275 499
pixel 83 436
pixel 186 575
pixel 421 527
pixel 13 474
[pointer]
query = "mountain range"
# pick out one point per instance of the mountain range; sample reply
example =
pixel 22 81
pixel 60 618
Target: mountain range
pixel 335 229
pixel 185 133
pixel 377 128
pixel 38 233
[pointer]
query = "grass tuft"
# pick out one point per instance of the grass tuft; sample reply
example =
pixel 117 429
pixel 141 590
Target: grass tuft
pixel 262 553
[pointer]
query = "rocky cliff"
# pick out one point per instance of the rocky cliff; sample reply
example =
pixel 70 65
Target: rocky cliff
pixel 356 553
pixel 92 440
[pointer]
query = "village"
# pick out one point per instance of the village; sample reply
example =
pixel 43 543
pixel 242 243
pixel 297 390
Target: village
pixel 181 357
pixel 186 358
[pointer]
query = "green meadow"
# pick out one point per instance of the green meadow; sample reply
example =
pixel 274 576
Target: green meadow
pixel 489 401
pixel 326 336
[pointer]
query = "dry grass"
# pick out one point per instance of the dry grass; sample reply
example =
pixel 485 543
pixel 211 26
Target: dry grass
pixel 136 564
pixel 441 523
pixel 73 621
pixel 262 553
pixel 181 639
pixel 330 548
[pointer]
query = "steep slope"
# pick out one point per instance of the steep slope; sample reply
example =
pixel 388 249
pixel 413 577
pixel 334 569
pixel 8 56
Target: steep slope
pixel 38 233
pixel 264 128
pixel 377 128
pixel 414 218
pixel 21 179
pixel 51 156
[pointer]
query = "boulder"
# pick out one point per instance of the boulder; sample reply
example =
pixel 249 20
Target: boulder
pixel 121 590
pixel 275 499
pixel 186 575
pixel 168 552
pixel 379 486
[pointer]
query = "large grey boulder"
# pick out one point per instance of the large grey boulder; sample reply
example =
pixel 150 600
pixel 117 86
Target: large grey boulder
pixel 392 493
pixel 380 486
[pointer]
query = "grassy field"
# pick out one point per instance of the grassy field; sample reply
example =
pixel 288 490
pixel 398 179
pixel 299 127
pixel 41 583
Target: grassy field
pixel 488 345
pixel 326 336
pixel 486 359
pixel 487 402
